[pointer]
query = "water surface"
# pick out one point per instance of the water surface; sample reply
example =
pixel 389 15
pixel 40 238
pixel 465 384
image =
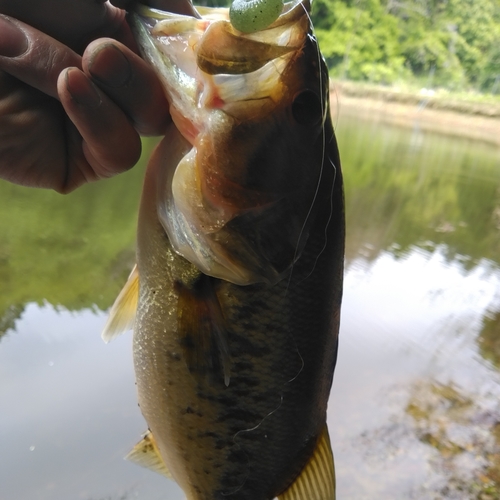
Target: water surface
pixel 415 407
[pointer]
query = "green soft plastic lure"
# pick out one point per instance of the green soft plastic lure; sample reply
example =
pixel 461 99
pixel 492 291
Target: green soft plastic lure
pixel 249 16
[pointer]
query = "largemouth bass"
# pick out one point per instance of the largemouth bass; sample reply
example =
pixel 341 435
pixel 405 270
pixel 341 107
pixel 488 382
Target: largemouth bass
pixel 235 300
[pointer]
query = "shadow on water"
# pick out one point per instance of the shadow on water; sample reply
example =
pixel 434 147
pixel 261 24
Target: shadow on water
pixel 415 408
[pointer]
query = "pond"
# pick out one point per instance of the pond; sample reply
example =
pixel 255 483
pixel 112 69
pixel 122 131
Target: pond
pixel 415 405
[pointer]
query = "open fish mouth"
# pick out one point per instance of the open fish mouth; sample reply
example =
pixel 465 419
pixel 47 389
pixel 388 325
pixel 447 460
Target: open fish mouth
pixel 237 99
pixel 208 63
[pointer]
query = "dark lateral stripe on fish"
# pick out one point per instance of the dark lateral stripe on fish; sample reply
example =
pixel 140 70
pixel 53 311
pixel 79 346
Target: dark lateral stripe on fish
pixel 238 414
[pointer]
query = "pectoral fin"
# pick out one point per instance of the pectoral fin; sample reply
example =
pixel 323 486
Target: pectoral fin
pixel 146 454
pixel 317 479
pixel 122 314
pixel 202 328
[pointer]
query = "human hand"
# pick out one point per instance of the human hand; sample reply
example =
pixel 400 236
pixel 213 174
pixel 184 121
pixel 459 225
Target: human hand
pixel 66 118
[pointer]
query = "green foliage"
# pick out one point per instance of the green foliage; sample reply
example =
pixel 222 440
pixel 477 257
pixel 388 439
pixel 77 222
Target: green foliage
pixel 489 345
pixel 72 251
pixel 489 79
pixel 453 44
pixel 359 40
pixel 450 43
pixel 405 190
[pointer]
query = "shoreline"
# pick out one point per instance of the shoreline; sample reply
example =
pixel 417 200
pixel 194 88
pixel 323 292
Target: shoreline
pixel 477 121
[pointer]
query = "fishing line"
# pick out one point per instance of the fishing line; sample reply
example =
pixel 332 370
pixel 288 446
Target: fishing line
pixel 322 165
pixel 327 222
pixel 323 140
pixel 301 360
pixel 337 116
pixel 323 100
pixel 325 110
pixel 261 422
pixel 235 490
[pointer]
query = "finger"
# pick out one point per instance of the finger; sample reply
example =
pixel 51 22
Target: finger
pixel 32 56
pixel 32 149
pixel 130 82
pixel 110 143
pixel 69 22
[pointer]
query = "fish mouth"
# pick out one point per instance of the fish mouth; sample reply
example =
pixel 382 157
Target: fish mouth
pixel 207 64
pixel 255 160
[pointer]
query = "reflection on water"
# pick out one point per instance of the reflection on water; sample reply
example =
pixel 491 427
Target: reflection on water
pixel 410 338
pixel 490 339
pixel 415 409
pixel 69 412
pixel 67 250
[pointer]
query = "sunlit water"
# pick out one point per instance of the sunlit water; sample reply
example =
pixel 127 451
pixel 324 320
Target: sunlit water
pixel 415 406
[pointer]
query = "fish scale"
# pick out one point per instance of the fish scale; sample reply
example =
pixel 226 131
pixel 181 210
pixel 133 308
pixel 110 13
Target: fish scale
pixel 234 367
pixel 271 355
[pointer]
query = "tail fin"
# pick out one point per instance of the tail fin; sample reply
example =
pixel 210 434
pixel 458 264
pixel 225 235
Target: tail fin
pixel 317 479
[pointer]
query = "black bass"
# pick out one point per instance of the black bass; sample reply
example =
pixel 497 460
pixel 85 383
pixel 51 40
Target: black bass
pixel 235 299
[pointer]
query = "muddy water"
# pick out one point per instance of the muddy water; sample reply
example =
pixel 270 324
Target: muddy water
pixel 415 407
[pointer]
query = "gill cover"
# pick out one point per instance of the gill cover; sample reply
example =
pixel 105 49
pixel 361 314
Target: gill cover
pixel 253 106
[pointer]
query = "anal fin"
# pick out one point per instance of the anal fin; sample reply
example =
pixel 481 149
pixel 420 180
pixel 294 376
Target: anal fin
pixel 146 454
pixel 122 314
pixel 317 479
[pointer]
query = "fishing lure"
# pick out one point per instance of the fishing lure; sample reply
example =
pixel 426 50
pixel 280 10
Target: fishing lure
pixel 249 16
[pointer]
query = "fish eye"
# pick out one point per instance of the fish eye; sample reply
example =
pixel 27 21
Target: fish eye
pixel 307 108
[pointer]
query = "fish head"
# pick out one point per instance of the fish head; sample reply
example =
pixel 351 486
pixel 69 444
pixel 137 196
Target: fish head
pixel 254 110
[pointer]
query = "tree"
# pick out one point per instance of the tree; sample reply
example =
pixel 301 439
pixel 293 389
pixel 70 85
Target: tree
pixel 359 39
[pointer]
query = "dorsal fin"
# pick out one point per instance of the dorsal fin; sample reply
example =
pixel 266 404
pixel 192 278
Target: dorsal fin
pixel 146 454
pixel 317 479
pixel 122 314
pixel 202 329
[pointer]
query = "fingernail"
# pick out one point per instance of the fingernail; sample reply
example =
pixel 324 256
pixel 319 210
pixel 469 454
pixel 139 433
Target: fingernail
pixel 81 89
pixel 110 67
pixel 13 41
